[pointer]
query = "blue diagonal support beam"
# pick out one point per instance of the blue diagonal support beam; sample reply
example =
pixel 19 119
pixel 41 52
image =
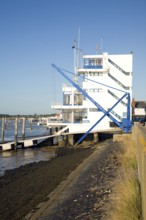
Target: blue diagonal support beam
pixel 106 114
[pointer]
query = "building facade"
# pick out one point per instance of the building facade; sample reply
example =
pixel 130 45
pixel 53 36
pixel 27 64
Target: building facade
pixel 105 78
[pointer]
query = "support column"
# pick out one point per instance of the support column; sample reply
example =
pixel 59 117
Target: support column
pixel 96 138
pixel 71 139
pixel 72 116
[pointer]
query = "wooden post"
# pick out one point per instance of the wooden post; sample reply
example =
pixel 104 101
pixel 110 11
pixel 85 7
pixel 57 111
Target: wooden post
pixel 3 130
pixel 16 132
pixel 31 123
pixel 5 122
pixel 23 128
pixel 51 132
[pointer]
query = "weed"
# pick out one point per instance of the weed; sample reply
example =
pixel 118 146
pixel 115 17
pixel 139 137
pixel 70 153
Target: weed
pixel 128 197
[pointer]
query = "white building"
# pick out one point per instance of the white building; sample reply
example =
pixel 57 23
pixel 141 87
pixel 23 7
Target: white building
pixel 78 111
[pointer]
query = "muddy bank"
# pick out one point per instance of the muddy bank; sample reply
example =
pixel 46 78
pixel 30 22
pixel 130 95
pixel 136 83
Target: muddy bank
pixel 22 189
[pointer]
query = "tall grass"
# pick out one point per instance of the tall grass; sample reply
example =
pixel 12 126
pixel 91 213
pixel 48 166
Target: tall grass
pixel 127 201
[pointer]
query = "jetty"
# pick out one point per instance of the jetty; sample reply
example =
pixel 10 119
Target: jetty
pixel 61 138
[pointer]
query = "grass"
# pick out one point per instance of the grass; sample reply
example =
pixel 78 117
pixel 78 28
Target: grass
pixel 127 201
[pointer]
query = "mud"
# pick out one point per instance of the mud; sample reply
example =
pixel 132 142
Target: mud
pixel 22 189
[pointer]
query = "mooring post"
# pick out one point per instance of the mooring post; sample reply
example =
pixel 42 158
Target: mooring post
pixel 23 128
pixel 16 132
pixel 30 123
pixel 51 131
pixel 3 130
pixel 5 122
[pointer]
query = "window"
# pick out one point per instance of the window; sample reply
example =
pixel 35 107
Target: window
pixel 93 62
pixel 95 90
pixel 66 99
pixel 95 73
pixel 94 110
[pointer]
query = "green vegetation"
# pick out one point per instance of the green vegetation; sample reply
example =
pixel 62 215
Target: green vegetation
pixel 127 204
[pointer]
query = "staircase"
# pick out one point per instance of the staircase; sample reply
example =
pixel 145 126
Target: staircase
pixel 118 67
pixel 117 98
pixel 118 82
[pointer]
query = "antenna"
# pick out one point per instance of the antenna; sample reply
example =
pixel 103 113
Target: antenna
pixel 78 52
pixel 74 48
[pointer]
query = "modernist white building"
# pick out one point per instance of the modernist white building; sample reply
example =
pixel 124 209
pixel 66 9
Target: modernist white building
pixel 114 76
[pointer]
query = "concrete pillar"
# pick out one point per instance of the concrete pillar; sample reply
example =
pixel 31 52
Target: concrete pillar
pixel 96 138
pixel 71 139
pixel 72 117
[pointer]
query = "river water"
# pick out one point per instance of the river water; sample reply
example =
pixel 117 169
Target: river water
pixel 11 159
pixel 31 130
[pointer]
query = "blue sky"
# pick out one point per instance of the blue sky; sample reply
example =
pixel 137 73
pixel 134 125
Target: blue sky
pixel 36 33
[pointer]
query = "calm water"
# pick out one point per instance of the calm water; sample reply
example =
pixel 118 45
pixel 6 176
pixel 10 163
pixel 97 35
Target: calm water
pixel 32 129
pixel 10 159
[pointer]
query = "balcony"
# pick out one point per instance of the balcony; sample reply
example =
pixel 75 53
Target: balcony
pixel 61 107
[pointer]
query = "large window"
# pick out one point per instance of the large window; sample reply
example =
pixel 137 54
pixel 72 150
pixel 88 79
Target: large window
pixel 66 99
pixel 93 63
pixel 78 99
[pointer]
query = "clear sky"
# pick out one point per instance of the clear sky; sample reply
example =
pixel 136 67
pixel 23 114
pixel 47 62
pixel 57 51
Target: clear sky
pixel 36 33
